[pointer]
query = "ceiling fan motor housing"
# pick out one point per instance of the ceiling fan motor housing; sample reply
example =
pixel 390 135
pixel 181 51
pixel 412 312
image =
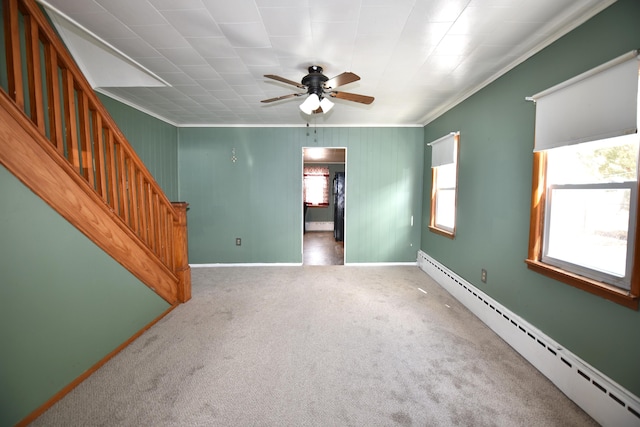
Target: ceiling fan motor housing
pixel 314 81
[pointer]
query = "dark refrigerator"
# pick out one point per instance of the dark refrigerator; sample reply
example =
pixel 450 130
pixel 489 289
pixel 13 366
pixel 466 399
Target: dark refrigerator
pixel 338 206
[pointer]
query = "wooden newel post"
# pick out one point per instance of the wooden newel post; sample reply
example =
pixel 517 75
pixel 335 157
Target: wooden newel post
pixel 181 248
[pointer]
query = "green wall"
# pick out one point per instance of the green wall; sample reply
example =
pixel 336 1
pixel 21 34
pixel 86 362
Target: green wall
pixel 155 142
pixel 65 304
pixel 496 141
pixel 324 214
pixel 259 196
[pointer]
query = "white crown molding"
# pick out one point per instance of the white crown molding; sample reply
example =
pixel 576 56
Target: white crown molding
pixel 575 21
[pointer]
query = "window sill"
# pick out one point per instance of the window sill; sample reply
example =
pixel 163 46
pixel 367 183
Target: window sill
pixel 440 231
pixel 600 289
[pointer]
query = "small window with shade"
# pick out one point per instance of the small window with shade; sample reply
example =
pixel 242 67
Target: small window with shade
pixel 444 184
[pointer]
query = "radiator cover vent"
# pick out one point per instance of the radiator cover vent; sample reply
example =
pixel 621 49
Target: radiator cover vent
pixel 602 398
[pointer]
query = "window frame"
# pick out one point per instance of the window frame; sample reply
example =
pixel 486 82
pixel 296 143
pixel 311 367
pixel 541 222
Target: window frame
pixel 433 226
pixel 534 261
pixel 307 176
pixel 581 269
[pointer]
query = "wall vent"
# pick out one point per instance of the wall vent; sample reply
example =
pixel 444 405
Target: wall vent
pixel 603 399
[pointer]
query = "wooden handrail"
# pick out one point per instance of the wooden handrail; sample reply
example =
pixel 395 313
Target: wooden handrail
pixel 66 117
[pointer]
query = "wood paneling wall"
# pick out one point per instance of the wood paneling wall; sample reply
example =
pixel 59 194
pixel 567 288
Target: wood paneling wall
pixel 259 196
pixel 155 141
pixel 494 198
pixel 53 123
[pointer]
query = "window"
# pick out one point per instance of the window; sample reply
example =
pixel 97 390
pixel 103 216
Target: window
pixel 584 215
pixel 444 179
pixel 316 186
pixel 590 189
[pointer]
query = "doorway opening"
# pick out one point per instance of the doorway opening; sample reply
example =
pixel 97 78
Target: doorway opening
pixel 324 205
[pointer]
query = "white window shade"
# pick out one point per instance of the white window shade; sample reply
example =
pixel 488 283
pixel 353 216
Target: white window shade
pixel 601 103
pixel 443 150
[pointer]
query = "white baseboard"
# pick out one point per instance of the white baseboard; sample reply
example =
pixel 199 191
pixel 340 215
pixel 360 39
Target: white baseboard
pixel 378 264
pixel 350 264
pixel 275 264
pixel 602 398
pixel 319 226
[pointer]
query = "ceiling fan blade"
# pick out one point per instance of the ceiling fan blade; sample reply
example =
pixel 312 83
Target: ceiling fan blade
pixel 318 111
pixel 278 98
pixel 283 80
pixel 363 99
pixel 341 79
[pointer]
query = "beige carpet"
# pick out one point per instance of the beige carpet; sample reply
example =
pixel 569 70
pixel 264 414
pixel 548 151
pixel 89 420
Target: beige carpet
pixel 317 346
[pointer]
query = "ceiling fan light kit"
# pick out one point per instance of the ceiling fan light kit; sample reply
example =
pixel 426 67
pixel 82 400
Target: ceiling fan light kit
pixel 310 104
pixel 326 105
pixel 319 88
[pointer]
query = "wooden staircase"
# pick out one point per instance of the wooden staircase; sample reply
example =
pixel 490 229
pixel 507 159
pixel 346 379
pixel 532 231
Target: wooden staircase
pixel 60 141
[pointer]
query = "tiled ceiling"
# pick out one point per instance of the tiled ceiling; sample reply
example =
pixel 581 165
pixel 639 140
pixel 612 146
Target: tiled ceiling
pixel 202 62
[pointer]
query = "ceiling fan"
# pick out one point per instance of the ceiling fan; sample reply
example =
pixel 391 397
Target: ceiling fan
pixel 319 88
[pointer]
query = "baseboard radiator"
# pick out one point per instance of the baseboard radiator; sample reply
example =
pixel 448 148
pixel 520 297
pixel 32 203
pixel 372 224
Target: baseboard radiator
pixel 319 226
pixel 604 400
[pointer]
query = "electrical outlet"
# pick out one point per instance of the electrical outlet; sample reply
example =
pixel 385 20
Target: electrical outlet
pixel 483 276
pixel 238 241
